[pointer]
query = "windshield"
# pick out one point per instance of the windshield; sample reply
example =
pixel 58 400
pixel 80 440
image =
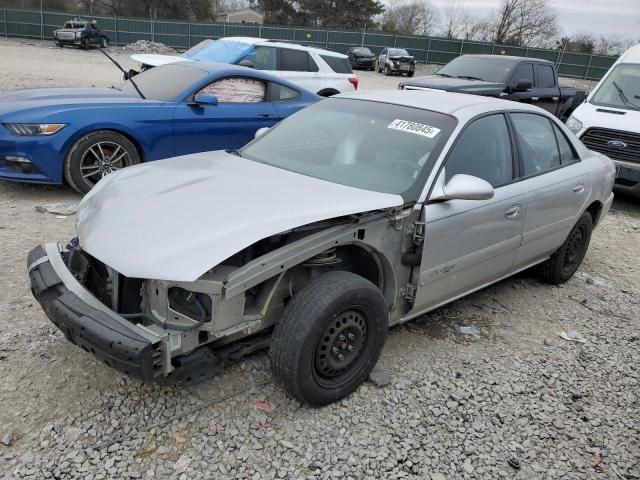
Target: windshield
pixel 164 83
pixel 480 68
pixel 621 89
pixel 73 25
pixel 398 52
pixel 369 145
pixel 362 51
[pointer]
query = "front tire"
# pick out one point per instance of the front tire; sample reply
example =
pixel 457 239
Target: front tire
pixel 561 266
pixel 85 45
pixel 96 155
pixel 329 338
pixel 387 70
pixel 379 68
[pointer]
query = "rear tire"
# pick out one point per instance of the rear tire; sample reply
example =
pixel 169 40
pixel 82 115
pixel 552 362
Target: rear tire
pixel 329 338
pixel 561 266
pixel 96 155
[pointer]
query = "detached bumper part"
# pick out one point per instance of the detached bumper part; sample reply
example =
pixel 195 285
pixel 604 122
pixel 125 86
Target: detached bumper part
pixel 93 329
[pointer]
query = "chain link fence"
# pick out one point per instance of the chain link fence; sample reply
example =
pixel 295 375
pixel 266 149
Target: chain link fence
pixel 184 35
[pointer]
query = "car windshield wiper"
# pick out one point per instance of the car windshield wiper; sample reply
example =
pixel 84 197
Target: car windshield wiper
pixel 624 98
pixel 126 75
pixel 443 75
pixel 235 152
pixel 470 77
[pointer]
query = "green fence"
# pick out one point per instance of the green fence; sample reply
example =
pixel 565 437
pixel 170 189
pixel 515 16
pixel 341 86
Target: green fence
pixel 183 35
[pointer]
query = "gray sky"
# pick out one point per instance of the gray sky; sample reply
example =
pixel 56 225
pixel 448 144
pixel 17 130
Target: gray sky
pixel 607 17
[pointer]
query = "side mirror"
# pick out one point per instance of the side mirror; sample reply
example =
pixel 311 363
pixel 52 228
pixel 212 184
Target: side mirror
pixel 260 132
pixel 465 187
pixel 523 85
pixel 205 99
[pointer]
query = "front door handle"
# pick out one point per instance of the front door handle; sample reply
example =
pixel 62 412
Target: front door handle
pixel 513 211
pixel 266 115
pixel 578 189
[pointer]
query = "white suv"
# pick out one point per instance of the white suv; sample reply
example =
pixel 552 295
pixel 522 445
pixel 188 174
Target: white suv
pixel 321 71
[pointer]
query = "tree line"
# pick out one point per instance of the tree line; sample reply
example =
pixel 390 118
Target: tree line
pixel 530 23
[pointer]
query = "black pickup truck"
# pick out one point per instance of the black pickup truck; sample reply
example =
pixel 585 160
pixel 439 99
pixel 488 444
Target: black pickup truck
pixel 527 80
pixel 80 33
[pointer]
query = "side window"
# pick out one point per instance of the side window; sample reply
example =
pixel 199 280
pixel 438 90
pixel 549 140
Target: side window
pixel 266 58
pixel 536 140
pixel 280 93
pixel 567 153
pixel 237 90
pixel 294 60
pixel 483 150
pixel 546 78
pixel 524 72
pixel 338 64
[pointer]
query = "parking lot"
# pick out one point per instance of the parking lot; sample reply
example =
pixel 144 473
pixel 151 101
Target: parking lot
pixel 513 401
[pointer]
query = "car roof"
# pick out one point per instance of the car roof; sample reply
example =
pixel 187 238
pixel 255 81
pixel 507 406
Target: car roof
pixel 284 44
pixel 510 58
pixel 460 105
pixel 631 56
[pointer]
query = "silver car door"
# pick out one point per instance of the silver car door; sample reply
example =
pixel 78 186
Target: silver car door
pixel 557 182
pixel 470 243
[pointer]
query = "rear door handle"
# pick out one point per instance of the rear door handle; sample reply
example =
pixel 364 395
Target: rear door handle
pixel 578 189
pixel 513 211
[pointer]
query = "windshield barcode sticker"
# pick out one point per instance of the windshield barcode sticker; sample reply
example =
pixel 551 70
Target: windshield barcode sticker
pixel 414 127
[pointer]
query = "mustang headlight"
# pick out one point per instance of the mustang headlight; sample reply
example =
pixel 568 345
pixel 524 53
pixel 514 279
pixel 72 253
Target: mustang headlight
pixel 34 129
pixel 574 124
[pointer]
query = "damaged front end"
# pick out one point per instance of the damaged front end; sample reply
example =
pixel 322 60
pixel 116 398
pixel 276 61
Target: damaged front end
pixel 148 329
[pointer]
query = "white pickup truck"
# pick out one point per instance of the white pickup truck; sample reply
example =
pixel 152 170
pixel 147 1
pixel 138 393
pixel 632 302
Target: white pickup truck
pixel 609 121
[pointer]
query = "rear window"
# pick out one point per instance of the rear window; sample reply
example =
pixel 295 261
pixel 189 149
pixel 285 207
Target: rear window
pixel 166 82
pixel 337 64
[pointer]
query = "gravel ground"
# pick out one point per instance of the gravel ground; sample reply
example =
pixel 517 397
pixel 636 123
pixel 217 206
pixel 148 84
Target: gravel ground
pixel 513 401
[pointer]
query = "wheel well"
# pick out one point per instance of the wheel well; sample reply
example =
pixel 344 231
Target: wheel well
pixel 595 209
pixel 327 92
pixel 114 130
pixel 360 261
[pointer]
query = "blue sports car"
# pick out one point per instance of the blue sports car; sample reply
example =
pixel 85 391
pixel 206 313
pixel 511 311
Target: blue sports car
pixel 82 134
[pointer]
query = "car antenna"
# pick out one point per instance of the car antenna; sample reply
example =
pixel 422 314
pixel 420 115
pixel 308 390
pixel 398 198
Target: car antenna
pixel 126 75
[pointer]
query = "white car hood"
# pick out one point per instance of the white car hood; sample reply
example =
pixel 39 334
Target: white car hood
pixel 155 60
pixel 175 219
pixel 626 121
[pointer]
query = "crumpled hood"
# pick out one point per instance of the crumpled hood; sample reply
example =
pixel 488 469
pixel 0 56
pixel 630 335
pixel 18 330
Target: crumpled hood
pixel 175 219
pixel 452 84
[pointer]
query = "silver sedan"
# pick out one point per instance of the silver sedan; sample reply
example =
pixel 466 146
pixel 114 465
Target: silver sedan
pixel 357 213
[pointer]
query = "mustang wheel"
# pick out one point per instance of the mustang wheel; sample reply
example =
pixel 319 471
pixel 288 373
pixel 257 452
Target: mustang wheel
pixel 329 338
pixel 96 155
pixel 566 260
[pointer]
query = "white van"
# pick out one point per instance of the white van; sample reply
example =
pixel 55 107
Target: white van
pixel 609 121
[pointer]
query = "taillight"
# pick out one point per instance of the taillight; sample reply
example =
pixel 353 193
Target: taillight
pixel 354 81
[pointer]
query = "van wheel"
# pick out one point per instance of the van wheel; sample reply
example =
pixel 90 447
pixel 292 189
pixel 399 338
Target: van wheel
pixel 566 260
pixel 329 338
pixel 96 155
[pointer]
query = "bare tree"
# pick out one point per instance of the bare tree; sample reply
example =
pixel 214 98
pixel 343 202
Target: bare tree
pixel 453 19
pixel 525 22
pixel 417 17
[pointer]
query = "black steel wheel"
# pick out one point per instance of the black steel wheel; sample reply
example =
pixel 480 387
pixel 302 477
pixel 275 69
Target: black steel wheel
pixel 561 266
pixel 95 156
pixel 329 338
